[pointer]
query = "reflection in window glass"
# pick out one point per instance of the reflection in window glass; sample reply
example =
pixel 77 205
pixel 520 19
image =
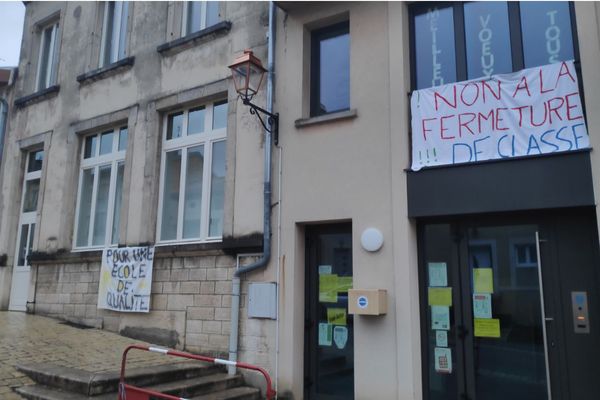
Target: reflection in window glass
pixel 333 69
pixel 220 115
pixel 85 207
pixel 194 16
pixel 212 13
pixel 546 30
pixel 123 139
pixel 434 47
pixel 192 208
pixel 487 38
pixel 31 233
pixel 170 204
pixel 217 192
pixel 175 126
pixel 196 121
pixel 91 142
pixel 23 244
pixel 32 190
pixel 101 211
pixel 35 161
pixel 106 143
pixel 118 201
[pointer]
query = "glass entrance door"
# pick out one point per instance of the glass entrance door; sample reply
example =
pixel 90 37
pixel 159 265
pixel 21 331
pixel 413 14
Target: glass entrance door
pixel 483 312
pixel 19 291
pixel 329 333
pixel 502 305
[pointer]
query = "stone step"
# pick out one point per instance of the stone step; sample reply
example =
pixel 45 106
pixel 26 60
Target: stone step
pixel 200 386
pixel 40 392
pixel 238 393
pixel 92 384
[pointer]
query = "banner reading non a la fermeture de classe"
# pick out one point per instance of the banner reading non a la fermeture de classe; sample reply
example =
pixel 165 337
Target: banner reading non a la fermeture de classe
pixel 126 279
pixel 531 112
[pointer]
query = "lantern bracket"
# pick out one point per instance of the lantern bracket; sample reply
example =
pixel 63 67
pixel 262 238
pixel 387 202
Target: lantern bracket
pixel 269 120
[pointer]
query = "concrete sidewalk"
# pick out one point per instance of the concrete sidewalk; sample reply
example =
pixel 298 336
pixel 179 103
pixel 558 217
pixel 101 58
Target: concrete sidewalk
pixel 30 339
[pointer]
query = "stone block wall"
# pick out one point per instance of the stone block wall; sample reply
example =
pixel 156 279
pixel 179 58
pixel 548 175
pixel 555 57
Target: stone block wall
pixel 190 305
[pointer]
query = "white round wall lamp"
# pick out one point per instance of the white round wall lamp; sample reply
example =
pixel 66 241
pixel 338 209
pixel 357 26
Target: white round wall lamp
pixel 371 239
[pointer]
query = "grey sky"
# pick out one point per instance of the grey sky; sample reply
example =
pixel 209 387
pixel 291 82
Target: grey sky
pixel 11 32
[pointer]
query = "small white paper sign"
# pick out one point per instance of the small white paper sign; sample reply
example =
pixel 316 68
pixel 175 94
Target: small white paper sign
pixel 340 336
pixel 482 305
pixel 440 317
pixel 438 275
pixel 443 360
pixel 441 338
pixel 325 332
pixel 324 269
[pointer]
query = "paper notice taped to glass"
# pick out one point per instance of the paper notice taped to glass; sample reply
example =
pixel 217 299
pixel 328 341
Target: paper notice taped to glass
pixel 487 327
pixel 440 317
pixel 328 284
pixel 440 296
pixel 483 280
pixel 336 316
pixel 443 360
pixel 325 333
pixel 441 339
pixel 438 275
pixel 482 305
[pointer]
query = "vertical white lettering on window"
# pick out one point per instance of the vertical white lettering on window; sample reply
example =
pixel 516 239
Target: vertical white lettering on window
pixel 437 79
pixel 485 37
pixel 553 38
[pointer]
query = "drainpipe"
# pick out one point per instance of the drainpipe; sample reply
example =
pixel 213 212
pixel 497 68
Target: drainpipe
pixel 266 254
pixel 3 116
pixel 264 260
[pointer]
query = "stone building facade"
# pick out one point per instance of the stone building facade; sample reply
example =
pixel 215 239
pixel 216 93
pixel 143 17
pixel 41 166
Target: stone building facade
pixel 129 69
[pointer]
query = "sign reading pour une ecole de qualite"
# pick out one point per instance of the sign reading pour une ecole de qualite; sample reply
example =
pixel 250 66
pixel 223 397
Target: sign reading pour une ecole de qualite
pixel 531 112
pixel 126 279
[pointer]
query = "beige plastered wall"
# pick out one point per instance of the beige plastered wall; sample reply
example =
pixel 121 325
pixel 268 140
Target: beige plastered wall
pixel 350 170
pixel 137 91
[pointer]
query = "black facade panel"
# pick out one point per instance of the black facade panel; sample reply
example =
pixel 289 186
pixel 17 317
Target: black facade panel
pixel 552 181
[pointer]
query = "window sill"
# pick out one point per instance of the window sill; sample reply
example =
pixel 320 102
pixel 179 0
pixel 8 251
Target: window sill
pixel 38 96
pixel 231 246
pixel 324 119
pixel 194 39
pixel 106 71
pixel 63 256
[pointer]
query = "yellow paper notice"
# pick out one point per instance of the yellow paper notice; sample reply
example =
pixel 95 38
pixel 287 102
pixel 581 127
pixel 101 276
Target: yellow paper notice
pixel 440 296
pixel 487 327
pixel 483 280
pixel 344 283
pixel 328 284
pixel 336 316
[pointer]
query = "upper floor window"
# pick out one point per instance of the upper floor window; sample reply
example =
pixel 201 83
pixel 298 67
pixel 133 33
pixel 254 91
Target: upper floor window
pixel 101 189
pixel 193 174
pixel 460 41
pixel 48 57
pixel 330 69
pixel 198 15
pixel 114 32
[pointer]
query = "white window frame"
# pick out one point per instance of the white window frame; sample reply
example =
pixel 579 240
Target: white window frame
pixel 207 138
pixel 114 37
pixel 114 158
pixel 184 17
pixel 52 62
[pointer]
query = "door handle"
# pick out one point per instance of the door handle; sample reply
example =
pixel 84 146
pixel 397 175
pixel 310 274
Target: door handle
pixel 548 319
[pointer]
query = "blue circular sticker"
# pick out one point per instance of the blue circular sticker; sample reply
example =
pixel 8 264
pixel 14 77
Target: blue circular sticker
pixel 362 301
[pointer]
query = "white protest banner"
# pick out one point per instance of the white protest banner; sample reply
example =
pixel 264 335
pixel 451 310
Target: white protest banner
pixel 531 112
pixel 126 279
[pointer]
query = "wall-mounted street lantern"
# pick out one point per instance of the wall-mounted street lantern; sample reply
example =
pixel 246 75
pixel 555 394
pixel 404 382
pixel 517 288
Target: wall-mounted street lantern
pixel 248 73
